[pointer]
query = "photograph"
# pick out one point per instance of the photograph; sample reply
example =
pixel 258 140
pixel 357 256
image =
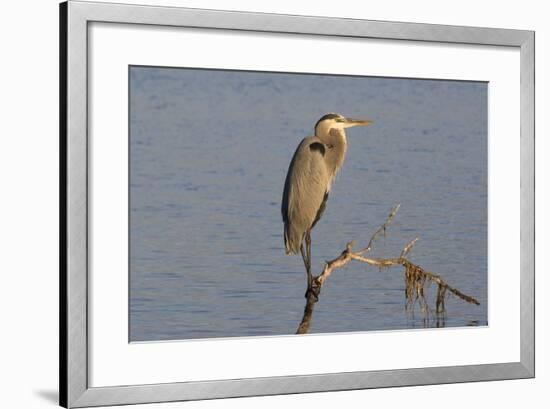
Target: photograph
pixel 282 203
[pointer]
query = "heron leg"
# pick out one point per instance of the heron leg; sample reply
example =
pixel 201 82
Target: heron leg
pixel 310 286
pixel 308 252
pixel 306 264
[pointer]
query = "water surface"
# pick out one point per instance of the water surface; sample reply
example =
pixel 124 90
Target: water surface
pixel 209 151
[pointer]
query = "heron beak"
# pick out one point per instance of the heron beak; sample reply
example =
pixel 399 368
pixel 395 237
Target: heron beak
pixel 349 123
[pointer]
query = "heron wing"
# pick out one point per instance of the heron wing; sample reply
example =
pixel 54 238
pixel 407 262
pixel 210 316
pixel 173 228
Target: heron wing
pixel 321 210
pixel 305 191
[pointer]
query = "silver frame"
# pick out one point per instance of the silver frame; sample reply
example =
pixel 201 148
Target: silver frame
pixel 74 19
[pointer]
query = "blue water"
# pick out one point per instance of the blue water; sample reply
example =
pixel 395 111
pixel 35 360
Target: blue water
pixel 209 151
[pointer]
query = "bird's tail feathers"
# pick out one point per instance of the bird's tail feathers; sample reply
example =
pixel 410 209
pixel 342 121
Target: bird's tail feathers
pixel 292 243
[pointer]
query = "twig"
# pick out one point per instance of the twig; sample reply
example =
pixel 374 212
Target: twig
pixel 408 247
pixel 381 229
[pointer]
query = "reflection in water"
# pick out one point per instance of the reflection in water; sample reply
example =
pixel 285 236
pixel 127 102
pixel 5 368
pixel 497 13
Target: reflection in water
pixel 437 320
pixel 427 320
pixel 208 154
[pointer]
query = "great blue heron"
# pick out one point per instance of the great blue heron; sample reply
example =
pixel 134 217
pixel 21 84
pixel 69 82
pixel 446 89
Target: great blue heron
pixel 308 181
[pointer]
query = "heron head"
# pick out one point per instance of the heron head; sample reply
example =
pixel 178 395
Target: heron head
pixel 337 121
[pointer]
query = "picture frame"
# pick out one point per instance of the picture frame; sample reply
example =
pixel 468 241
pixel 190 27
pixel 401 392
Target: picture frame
pixel 75 18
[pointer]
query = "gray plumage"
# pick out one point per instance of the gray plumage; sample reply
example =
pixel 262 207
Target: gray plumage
pixel 308 181
pixel 306 189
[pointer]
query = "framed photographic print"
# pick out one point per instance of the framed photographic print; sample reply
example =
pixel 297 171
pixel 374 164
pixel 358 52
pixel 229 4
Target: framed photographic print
pixel 258 204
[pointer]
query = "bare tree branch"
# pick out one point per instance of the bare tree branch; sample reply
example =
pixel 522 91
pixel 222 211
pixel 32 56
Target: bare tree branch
pixel 415 276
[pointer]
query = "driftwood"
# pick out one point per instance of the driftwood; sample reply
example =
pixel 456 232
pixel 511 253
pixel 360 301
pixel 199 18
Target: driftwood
pixel 416 278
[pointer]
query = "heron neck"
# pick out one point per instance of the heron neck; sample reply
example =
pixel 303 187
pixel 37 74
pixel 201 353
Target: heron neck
pixel 335 140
